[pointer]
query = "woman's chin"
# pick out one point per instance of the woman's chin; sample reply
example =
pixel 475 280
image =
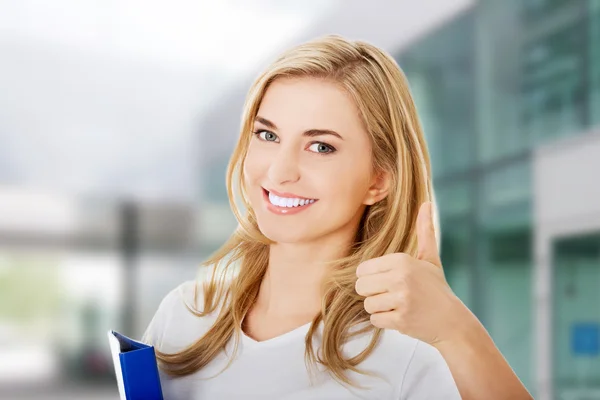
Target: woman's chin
pixel 279 234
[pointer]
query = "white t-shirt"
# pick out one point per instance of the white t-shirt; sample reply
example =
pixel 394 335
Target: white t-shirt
pixel 405 368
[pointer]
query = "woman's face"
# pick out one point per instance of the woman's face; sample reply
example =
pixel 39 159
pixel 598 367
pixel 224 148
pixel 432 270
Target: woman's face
pixel 308 171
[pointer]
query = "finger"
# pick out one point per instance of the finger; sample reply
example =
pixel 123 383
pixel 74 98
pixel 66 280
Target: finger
pixel 373 266
pixel 386 320
pixel 382 302
pixel 427 244
pixel 370 285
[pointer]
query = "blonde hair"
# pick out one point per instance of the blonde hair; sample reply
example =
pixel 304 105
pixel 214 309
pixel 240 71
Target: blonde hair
pixel 382 95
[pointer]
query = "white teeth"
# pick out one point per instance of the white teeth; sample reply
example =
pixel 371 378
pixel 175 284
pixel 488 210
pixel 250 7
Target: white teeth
pixel 288 201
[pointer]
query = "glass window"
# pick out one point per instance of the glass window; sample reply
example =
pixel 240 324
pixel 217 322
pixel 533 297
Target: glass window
pixel 533 10
pixel 506 187
pixel 499 133
pixel 552 88
pixel 576 317
pixel 508 296
pixel 440 70
pixel 454 199
pixel 532 83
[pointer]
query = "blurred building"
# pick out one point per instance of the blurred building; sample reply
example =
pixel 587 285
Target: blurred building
pixel 509 95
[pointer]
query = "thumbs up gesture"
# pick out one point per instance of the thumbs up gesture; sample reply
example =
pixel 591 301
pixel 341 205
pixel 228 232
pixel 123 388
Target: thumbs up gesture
pixel 410 294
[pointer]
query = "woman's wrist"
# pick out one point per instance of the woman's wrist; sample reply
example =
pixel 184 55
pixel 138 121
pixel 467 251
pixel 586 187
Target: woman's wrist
pixel 463 327
pixel 468 338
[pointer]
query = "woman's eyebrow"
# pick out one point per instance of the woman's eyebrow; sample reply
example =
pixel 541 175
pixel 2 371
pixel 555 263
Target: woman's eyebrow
pixel 265 122
pixel 321 132
pixel 308 133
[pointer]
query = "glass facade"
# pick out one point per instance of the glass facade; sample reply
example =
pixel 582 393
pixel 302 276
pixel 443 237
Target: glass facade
pixel 554 69
pixel 440 70
pixel 490 85
pixel 576 314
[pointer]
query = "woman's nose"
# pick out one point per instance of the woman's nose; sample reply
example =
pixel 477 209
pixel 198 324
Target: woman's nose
pixel 284 167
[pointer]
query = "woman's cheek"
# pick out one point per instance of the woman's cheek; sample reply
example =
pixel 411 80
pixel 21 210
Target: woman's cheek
pixel 255 161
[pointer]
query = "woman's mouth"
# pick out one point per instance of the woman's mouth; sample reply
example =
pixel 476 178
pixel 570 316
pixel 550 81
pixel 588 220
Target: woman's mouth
pixel 286 204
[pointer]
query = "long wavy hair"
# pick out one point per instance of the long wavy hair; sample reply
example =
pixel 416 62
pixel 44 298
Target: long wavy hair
pixel 381 92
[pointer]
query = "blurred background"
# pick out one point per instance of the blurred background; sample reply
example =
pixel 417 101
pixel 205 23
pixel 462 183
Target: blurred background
pixel 117 120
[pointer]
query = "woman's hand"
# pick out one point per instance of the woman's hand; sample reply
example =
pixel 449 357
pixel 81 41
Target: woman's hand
pixel 410 294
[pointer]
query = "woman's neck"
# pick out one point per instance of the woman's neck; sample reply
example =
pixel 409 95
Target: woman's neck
pixel 293 282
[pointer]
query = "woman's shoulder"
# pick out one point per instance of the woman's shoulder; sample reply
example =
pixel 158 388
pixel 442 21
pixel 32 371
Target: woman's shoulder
pixel 393 348
pixel 177 323
pixel 401 358
pixel 408 351
pixel 187 295
pixel 420 364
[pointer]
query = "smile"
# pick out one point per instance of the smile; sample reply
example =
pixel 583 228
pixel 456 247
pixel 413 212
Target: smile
pixel 286 204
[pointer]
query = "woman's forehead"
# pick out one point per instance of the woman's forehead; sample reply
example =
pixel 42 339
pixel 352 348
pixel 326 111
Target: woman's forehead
pixel 309 102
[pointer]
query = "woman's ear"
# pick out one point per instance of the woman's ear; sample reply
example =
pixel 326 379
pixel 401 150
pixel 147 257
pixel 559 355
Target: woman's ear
pixel 379 189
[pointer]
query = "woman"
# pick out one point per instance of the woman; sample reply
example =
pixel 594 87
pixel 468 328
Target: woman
pixel 332 286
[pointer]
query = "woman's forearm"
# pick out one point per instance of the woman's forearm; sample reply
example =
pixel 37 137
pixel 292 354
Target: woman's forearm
pixel 479 369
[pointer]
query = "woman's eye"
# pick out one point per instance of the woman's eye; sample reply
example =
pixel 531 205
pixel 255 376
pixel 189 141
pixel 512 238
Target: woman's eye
pixel 323 148
pixel 266 136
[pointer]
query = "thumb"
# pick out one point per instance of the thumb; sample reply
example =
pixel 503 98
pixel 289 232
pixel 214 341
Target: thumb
pixel 427 245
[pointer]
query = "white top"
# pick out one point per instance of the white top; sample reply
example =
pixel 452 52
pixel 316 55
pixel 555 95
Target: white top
pixel 405 368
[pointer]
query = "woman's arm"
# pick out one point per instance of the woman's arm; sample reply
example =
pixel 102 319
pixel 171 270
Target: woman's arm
pixel 479 369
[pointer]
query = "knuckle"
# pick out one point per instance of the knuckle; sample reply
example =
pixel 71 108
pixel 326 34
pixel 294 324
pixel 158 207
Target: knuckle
pixel 402 257
pixel 398 299
pixel 409 276
pixel 398 279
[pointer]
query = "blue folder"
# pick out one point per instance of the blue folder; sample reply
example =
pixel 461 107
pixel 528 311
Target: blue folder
pixel 135 368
